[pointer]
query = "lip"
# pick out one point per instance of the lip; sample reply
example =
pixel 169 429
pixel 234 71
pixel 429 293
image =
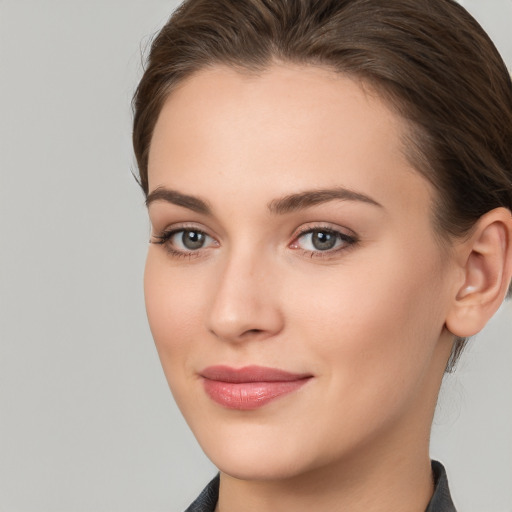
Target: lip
pixel 250 387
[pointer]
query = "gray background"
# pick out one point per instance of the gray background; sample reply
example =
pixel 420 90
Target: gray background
pixel 86 420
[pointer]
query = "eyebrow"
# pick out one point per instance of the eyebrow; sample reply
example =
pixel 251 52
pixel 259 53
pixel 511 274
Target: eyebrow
pixel 173 196
pixel 286 204
pixel 302 200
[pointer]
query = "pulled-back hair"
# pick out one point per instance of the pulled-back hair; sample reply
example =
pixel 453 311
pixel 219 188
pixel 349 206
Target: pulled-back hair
pixel 428 59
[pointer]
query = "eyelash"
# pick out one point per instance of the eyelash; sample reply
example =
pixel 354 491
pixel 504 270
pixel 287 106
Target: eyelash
pixel 347 242
pixel 165 237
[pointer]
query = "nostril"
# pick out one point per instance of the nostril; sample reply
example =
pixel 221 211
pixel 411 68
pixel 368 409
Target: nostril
pixel 252 334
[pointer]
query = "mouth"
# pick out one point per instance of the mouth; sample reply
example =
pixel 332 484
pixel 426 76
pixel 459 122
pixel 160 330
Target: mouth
pixel 250 387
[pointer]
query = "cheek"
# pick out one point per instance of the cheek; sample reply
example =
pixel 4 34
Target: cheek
pixel 374 324
pixel 173 308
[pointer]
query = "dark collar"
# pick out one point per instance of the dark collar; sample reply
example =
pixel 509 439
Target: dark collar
pixel 441 500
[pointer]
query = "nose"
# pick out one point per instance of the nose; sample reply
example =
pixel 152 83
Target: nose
pixel 245 302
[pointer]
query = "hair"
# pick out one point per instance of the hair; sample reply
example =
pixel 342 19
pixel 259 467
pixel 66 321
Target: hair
pixel 428 59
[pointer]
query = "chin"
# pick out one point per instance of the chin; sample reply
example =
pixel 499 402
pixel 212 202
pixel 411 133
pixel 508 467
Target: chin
pixel 261 468
pixel 258 457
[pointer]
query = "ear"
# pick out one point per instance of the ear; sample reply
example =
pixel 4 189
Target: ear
pixel 486 262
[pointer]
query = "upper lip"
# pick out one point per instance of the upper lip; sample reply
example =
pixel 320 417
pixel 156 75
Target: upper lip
pixel 250 374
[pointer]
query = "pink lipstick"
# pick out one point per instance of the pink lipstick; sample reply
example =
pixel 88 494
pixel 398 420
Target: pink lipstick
pixel 250 387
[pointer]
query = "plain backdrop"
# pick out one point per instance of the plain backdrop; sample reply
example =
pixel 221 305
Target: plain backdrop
pixel 87 423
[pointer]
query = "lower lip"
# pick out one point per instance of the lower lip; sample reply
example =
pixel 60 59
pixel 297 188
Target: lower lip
pixel 246 396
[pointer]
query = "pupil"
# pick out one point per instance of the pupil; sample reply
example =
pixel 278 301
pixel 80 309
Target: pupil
pixel 192 239
pixel 323 241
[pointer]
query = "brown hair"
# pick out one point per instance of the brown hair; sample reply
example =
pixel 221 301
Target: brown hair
pixel 429 59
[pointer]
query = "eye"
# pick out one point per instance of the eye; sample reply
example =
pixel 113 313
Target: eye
pixel 322 240
pixel 184 240
pixel 189 240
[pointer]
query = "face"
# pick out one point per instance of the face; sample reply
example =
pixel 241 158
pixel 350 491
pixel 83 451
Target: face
pixel 294 286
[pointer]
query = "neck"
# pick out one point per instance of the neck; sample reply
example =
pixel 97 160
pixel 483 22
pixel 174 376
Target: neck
pixel 382 481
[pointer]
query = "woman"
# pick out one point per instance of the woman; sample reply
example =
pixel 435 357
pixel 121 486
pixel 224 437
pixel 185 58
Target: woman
pixel 329 185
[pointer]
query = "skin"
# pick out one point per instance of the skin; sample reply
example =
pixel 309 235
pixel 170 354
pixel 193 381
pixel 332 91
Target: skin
pixel 367 319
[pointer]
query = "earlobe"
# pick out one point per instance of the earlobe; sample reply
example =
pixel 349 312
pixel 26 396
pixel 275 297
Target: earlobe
pixel 486 261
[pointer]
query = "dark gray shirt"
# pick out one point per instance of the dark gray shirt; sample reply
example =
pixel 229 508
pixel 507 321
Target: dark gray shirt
pixel 441 500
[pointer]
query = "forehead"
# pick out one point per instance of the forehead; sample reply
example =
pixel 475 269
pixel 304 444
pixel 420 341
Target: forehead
pixel 289 127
